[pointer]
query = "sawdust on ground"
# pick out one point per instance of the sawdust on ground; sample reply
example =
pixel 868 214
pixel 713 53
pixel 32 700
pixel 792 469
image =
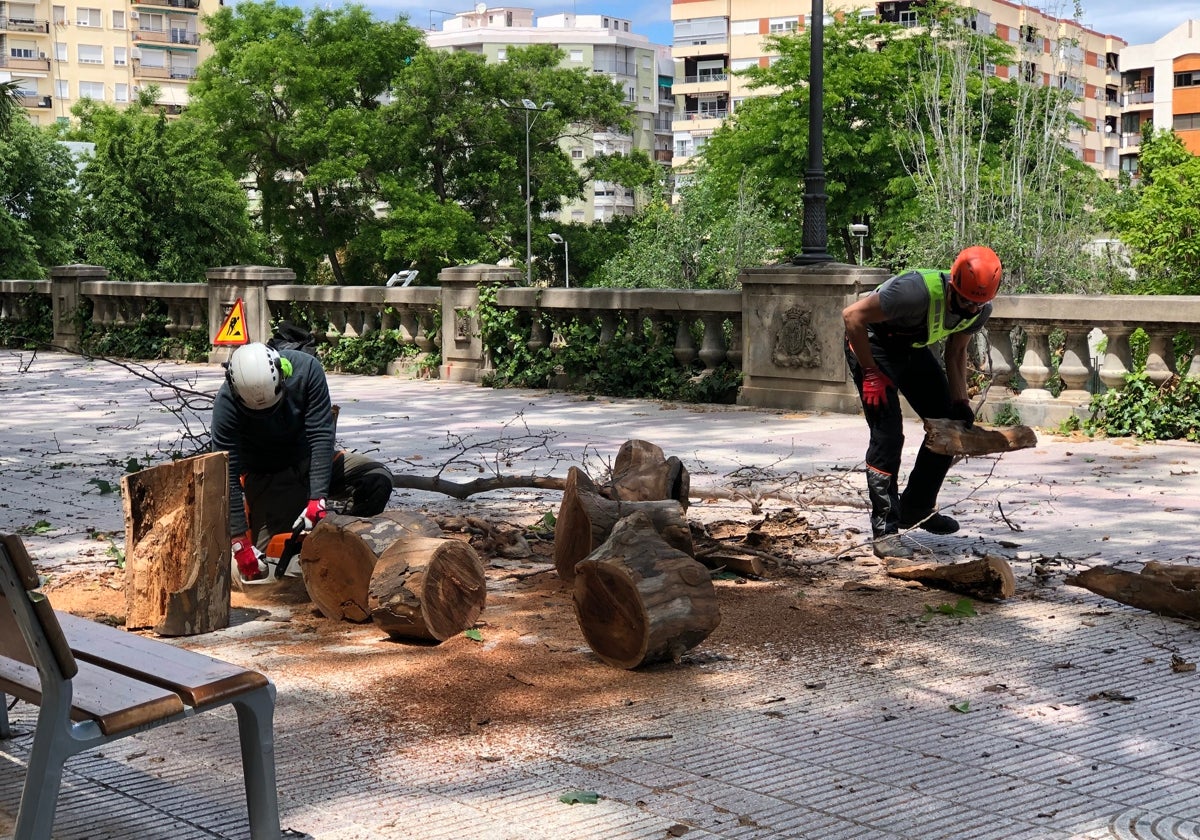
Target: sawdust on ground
pixel 822 593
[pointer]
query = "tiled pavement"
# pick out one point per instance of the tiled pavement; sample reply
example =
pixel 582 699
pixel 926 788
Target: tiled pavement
pixel 820 747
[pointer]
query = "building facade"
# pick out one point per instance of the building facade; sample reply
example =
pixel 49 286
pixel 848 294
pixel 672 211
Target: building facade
pixel 1160 86
pixel 714 39
pixel 102 50
pixel 601 44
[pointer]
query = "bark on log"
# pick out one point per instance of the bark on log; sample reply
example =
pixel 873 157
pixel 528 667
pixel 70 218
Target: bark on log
pixel 177 555
pixel 427 588
pixel 638 600
pixel 1147 592
pixel 1182 577
pixel 988 578
pixel 951 437
pixel 642 473
pixel 340 553
pixel 586 519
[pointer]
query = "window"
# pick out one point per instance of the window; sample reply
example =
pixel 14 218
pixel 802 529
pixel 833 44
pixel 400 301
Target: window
pixel 121 92
pixel 645 93
pixel 88 17
pixel 576 55
pixel 907 18
pixel 60 52
pixel 120 56
pixel 577 153
pixel 631 95
pixel 92 90
pixel 62 88
pixel 1186 122
pixel 59 14
pixel 90 54
pixel 1190 79
pixel 1028 34
pixel 743 27
pixel 777 26
pixel 646 124
pixel 119 19
pixel 502 54
pixel 742 63
pixel 700 31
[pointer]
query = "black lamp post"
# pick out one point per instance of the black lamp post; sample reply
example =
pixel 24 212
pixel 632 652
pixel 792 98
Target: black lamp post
pixel 816 233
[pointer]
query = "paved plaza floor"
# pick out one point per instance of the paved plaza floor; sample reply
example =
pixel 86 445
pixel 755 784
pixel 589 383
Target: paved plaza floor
pixel 1053 715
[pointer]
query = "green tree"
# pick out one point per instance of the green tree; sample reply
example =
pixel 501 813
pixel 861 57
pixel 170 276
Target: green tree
pixel 37 201
pixel 10 105
pixel 296 102
pixel 1159 218
pixel 157 202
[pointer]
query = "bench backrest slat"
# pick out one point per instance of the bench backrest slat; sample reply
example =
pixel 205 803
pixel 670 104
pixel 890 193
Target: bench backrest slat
pixel 32 615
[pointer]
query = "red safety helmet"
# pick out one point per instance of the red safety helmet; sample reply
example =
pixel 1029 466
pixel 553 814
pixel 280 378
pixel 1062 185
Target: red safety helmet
pixel 976 273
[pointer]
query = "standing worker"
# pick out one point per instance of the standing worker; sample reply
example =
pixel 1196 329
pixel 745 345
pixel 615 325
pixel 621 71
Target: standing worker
pixel 274 418
pixel 888 338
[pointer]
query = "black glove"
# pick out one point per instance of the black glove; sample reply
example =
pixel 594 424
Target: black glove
pixel 961 410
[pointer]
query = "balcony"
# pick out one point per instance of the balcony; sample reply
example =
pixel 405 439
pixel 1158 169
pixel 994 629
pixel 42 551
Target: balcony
pixel 33 100
pixel 141 71
pixel 25 62
pixel 186 37
pixel 12 24
pixel 169 4
pixel 153 36
pixel 1139 98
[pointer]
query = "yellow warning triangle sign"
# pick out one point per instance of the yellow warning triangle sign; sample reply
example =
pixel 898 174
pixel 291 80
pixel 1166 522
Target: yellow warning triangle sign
pixel 233 331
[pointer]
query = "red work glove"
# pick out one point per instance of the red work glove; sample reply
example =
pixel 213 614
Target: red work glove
pixel 250 564
pixel 961 410
pixel 875 387
pixel 313 513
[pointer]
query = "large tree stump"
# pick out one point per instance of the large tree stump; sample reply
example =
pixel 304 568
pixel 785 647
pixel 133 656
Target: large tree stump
pixel 177 555
pixel 988 578
pixel 951 437
pixel 1153 592
pixel 639 600
pixel 586 518
pixel 427 588
pixel 642 473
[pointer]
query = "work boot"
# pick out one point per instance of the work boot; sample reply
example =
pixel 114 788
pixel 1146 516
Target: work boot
pixel 934 523
pixel 890 545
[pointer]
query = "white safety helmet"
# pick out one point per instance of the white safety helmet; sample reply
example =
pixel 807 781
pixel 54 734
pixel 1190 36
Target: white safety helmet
pixel 255 375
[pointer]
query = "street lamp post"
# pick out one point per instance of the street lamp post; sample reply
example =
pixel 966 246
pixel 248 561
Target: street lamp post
pixel 816 234
pixel 529 107
pixel 558 240
pixel 861 232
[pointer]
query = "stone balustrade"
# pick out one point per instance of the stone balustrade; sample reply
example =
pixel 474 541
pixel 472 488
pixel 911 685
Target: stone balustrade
pixel 793 316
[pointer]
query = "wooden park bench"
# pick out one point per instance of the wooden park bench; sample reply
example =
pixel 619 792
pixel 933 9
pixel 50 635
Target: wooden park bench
pixel 95 684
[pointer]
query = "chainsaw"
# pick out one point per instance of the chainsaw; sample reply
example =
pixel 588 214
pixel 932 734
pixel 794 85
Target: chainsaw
pixel 283 548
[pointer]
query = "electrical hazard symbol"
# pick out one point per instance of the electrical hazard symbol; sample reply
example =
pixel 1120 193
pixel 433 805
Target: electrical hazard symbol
pixel 233 331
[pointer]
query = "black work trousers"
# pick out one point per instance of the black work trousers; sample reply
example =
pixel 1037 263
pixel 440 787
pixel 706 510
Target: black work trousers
pixel 920 377
pixel 274 500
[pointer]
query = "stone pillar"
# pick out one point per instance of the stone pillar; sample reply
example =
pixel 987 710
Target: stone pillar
pixel 793 337
pixel 248 282
pixel 65 284
pixel 463 356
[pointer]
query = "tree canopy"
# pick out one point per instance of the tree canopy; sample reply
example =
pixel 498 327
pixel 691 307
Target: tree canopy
pixel 37 200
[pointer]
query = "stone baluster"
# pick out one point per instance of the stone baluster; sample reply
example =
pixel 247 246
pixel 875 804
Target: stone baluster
pixel 1000 356
pixel 1035 364
pixel 1076 366
pixel 407 325
pixel 1160 358
pixel 426 338
pixel 1193 371
pixel 712 348
pixel 685 345
pixel 539 336
pixel 609 320
pixel 1118 359
pixel 734 353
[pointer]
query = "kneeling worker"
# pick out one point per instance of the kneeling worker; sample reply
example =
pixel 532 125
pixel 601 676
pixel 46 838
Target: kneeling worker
pixel 274 417
pixel 888 336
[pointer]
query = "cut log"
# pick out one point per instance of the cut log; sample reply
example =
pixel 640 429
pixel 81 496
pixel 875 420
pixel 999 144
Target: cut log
pixel 988 578
pixel 1182 577
pixel 639 600
pixel 951 437
pixel 337 564
pixel 1151 592
pixel 642 473
pixel 177 554
pixel 427 588
pixel 586 519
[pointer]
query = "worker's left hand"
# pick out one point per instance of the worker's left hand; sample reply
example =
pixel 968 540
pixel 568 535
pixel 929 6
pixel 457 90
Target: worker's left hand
pixel 961 410
pixel 313 513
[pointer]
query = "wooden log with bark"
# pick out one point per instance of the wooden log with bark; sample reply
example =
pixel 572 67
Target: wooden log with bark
pixel 643 473
pixel 639 600
pixel 986 578
pixel 1183 577
pixel 177 554
pixel 951 437
pixel 1157 593
pixel 397 569
pixel 586 519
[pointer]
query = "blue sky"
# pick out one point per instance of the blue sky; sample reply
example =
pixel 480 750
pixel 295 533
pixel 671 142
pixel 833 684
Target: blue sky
pixel 1136 22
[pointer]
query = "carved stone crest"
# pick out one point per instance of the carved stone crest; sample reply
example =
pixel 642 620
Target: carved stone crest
pixel 796 342
pixel 464 320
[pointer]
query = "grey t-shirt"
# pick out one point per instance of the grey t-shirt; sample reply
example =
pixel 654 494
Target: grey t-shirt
pixel 904 299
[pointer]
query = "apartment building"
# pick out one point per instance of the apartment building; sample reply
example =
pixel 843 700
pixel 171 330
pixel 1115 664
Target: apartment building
pixel 600 44
pixel 105 50
pixel 714 39
pixel 1160 85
